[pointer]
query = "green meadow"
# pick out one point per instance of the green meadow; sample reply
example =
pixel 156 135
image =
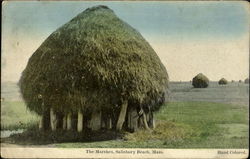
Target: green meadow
pixel 15 115
pixel 213 117
pixel 188 125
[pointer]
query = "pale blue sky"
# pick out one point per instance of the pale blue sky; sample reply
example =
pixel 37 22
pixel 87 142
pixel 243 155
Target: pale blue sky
pixel 163 24
pixel 175 19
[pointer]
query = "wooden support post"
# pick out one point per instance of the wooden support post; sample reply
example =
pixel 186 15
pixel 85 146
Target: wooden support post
pixel 122 115
pixel 80 121
pixel 41 122
pixel 53 119
pixel 69 121
pixel 140 122
pixel 95 122
pixel 129 119
pixel 46 119
pixel 145 121
pixel 103 125
pixel 109 123
pixel 64 122
pixel 151 120
pixel 147 116
pixel 133 119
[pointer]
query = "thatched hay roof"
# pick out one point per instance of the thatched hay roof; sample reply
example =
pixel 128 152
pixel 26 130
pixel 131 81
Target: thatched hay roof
pixel 200 81
pixel 94 61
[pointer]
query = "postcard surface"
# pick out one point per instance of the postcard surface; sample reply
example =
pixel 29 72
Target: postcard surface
pixel 125 79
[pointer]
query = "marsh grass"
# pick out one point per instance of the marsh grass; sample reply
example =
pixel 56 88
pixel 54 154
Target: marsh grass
pixel 188 125
pixel 163 131
pixel 181 124
pixel 216 125
pixel 15 115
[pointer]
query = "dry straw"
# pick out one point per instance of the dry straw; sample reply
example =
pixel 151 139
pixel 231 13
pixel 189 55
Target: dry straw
pixel 200 81
pixel 94 62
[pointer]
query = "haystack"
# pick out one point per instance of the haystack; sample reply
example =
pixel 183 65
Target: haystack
pixel 222 81
pixel 200 81
pixel 94 72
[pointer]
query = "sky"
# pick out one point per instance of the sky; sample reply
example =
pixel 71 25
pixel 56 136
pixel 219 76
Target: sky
pixel 189 37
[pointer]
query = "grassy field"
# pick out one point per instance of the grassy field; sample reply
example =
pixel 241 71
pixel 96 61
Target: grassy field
pixel 216 117
pixel 188 125
pixel 232 93
pixel 14 115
